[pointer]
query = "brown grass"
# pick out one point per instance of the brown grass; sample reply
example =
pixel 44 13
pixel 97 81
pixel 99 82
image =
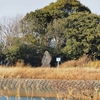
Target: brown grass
pixel 51 73
pixel 82 62
pixel 81 69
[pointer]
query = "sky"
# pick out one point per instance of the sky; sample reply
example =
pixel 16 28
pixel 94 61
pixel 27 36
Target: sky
pixel 93 5
pixel 10 8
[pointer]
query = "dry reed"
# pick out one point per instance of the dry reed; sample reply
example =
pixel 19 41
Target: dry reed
pixel 51 73
pixel 80 69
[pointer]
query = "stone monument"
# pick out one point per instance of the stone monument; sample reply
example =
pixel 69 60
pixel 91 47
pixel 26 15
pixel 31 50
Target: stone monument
pixel 46 59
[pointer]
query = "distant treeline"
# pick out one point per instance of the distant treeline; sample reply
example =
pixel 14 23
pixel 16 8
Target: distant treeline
pixel 66 29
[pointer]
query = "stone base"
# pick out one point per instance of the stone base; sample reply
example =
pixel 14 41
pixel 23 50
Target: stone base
pixel 46 65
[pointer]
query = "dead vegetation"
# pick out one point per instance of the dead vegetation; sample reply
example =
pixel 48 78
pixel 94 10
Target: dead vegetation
pixel 81 69
pixel 82 62
pixel 51 73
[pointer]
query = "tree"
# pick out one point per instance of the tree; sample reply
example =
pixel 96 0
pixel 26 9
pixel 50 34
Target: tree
pixel 44 29
pixel 37 22
pixel 55 33
pixel 82 35
pixel 22 48
pixel 10 28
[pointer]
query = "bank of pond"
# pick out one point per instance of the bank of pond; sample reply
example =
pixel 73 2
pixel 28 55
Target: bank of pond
pixel 43 89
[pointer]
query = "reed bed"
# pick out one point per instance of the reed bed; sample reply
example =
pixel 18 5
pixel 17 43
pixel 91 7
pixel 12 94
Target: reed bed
pixel 81 69
pixel 51 73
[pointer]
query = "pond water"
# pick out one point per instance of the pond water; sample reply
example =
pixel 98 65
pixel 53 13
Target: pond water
pixel 24 98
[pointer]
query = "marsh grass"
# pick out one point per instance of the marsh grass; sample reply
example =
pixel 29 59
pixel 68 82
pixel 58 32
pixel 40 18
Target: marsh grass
pixel 75 73
pixel 82 62
pixel 83 68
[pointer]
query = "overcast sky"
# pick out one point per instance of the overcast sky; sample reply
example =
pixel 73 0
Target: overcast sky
pixel 13 7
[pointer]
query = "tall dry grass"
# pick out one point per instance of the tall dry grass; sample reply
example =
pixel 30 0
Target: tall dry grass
pixel 83 68
pixel 51 73
pixel 82 62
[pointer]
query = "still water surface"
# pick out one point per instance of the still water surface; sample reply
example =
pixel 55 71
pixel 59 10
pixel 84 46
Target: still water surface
pixel 24 98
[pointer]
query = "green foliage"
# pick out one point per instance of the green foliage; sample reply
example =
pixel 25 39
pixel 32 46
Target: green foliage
pixel 66 28
pixel 49 23
pixel 82 35
pixel 67 6
pixel 55 33
pixel 38 21
pixel 20 47
pixel 1 54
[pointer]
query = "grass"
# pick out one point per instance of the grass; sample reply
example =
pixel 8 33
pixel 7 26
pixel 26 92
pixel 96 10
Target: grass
pixel 81 69
pixel 82 62
pixel 51 73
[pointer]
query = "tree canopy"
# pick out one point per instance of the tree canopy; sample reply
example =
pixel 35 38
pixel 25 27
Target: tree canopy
pixel 66 29
pixel 82 35
pixel 38 21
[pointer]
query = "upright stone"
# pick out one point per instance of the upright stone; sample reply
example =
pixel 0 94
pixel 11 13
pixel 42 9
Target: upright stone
pixel 46 59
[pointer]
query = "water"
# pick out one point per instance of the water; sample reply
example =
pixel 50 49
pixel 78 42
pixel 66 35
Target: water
pixel 24 98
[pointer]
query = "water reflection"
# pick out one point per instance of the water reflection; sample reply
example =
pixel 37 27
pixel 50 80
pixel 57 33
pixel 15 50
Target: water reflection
pixel 24 98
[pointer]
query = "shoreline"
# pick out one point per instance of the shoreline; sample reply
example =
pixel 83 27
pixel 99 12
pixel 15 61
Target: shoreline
pixel 46 88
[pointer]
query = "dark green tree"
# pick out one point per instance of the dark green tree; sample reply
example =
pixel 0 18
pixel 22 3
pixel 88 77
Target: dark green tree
pixel 22 49
pixel 82 35
pixel 55 33
pixel 48 24
pixel 43 29
pixel 37 22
